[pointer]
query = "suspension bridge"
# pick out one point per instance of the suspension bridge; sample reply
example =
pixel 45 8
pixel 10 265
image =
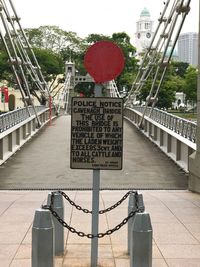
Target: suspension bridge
pixel 161 152
pixel 174 136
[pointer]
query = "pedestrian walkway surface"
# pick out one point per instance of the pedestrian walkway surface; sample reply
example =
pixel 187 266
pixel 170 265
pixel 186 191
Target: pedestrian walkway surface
pixel 43 163
pixel 175 217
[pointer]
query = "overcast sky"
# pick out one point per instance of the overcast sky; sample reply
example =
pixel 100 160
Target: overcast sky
pixel 95 16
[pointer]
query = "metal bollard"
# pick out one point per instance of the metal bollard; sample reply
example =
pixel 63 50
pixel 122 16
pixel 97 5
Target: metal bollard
pixel 131 207
pixel 141 241
pixel 42 239
pixel 134 201
pixel 59 229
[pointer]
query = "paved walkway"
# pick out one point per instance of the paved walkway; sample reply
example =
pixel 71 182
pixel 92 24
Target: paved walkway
pixel 43 163
pixel 175 217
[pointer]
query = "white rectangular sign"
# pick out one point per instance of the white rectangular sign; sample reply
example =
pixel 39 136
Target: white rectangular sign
pixel 96 133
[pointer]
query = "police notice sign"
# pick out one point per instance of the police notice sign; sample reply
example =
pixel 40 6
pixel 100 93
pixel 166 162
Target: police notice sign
pixel 96 133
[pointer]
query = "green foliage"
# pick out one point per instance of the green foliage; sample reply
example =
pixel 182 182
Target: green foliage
pixel 5 68
pixel 166 95
pixel 127 76
pixel 93 38
pixel 52 38
pixel 51 63
pixel 191 84
pixel 54 46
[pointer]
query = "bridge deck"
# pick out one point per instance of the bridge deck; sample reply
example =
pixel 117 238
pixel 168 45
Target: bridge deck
pixel 43 163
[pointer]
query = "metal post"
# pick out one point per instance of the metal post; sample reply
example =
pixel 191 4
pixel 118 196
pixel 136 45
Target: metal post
pixel 58 228
pixel 135 201
pixel 131 207
pixel 42 239
pixel 95 217
pixel 95 201
pixel 141 241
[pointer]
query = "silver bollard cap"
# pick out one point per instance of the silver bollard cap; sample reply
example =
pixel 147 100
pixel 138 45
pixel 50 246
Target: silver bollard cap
pixel 58 200
pixel 142 222
pixel 42 219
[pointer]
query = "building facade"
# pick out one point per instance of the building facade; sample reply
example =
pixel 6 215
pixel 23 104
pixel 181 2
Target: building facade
pixel 144 31
pixel 188 48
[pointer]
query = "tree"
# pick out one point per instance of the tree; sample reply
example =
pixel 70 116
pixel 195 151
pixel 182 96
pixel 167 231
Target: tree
pixel 177 68
pixel 191 84
pixel 5 67
pixel 127 76
pixel 51 63
pixel 52 38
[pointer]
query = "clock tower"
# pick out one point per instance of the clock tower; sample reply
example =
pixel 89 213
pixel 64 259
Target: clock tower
pixel 144 31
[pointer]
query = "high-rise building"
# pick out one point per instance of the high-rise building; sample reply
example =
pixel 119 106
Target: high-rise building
pixel 188 48
pixel 144 31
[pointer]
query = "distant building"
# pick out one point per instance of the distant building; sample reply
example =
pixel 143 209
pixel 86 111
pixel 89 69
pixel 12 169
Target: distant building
pixel 188 48
pixel 144 31
pixel 179 100
pixel 174 55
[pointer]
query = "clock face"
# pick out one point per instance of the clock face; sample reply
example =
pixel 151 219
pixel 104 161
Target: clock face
pixel 138 35
pixel 148 35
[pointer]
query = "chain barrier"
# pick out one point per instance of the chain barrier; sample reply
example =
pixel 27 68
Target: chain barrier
pixel 99 235
pixel 101 211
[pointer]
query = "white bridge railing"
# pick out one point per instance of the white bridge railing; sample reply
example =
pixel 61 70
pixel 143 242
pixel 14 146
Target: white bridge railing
pixel 17 127
pixel 12 118
pixel 173 135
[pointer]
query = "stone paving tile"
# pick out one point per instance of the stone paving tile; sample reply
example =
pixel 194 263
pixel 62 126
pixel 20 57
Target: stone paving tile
pixel 164 234
pixel 159 263
pixel 183 262
pixel 193 227
pixel 24 252
pixel 180 251
pixel 176 238
pixel 85 262
pixel 83 251
pixel 122 263
pixel 120 251
pixel 7 251
pixel 6 263
pixel 20 263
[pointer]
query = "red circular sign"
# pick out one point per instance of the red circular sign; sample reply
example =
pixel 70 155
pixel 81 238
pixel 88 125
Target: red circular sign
pixel 104 61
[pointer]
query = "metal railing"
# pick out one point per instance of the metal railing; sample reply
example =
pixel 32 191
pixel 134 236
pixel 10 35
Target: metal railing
pixel 12 118
pixel 181 126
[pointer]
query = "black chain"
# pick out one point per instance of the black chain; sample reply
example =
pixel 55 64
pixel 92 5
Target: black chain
pixel 101 211
pixel 82 234
pixel 99 235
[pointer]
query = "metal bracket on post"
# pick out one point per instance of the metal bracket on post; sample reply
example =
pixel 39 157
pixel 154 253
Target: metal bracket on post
pixel 141 241
pixel 42 239
pixel 59 229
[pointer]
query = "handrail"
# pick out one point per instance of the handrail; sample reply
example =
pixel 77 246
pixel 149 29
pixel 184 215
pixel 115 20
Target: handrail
pixel 12 118
pixel 179 125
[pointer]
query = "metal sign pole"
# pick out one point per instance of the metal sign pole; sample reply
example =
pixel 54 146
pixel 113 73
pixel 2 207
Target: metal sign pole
pixel 95 201
pixel 95 217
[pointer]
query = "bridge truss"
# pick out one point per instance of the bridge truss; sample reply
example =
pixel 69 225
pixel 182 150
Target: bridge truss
pixel 22 59
pixel 159 53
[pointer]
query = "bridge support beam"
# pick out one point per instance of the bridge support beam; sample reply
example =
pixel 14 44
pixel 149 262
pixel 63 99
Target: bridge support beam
pixel 194 161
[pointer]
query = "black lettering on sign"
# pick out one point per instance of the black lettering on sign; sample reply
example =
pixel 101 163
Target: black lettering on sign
pixel 96 133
